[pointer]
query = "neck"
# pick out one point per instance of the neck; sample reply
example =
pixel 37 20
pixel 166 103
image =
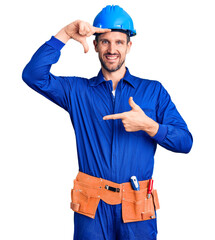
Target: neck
pixel 114 76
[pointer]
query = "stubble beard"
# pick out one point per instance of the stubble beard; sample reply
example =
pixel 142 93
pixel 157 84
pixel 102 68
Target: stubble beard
pixel 111 69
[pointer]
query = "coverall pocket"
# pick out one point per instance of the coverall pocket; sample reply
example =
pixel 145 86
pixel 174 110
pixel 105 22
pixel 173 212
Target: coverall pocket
pixel 149 112
pixel 136 206
pixel 84 200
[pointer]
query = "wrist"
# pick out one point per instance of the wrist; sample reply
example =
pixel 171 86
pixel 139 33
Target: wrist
pixel 62 36
pixel 151 127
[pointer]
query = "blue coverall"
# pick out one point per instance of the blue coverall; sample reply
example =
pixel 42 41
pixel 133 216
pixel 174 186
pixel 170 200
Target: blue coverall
pixel 105 149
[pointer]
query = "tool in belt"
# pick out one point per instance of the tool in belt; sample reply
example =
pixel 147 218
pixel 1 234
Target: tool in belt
pixel 136 206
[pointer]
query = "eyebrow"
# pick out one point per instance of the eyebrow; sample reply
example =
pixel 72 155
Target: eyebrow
pixel 102 39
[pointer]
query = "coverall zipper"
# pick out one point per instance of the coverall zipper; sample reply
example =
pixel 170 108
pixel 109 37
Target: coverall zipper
pixel 115 125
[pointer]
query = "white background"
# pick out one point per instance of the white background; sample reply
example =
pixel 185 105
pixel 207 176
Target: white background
pixel 38 159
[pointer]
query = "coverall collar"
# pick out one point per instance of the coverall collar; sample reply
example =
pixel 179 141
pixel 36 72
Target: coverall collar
pixel 100 78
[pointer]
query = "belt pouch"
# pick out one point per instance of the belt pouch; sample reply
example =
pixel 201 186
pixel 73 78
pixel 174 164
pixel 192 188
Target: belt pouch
pixel 137 207
pixel 85 199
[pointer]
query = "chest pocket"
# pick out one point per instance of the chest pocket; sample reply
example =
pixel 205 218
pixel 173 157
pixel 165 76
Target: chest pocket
pixel 150 113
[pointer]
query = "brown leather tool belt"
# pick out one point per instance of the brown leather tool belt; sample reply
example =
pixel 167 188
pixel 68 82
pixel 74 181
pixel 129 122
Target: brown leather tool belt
pixel 88 190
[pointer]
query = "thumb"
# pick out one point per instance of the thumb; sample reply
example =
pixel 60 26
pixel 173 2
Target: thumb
pixel 85 45
pixel 132 103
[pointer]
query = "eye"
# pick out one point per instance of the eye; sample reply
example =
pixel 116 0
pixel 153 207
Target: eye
pixel 119 42
pixel 104 41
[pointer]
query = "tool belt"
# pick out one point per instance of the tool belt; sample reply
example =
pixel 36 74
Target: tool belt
pixel 89 190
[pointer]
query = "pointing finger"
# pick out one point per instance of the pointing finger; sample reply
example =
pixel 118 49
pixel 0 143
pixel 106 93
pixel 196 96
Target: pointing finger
pixel 114 116
pixel 101 30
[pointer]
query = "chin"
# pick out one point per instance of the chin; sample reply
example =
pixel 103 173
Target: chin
pixel 111 67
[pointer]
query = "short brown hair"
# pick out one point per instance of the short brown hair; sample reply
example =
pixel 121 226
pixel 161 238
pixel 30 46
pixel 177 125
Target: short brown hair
pixel 115 30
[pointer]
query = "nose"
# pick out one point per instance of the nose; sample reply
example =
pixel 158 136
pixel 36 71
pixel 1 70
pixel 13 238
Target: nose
pixel 112 48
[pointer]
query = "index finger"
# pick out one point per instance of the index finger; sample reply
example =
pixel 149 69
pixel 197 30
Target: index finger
pixel 101 30
pixel 113 116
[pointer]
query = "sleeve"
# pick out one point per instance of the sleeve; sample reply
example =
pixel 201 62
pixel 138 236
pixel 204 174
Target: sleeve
pixel 173 133
pixel 37 74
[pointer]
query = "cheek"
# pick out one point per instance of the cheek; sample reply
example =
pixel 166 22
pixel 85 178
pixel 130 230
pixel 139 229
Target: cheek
pixel 123 54
pixel 127 50
pixel 101 51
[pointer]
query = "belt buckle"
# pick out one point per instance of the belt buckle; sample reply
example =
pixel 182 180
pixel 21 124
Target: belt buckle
pixel 113 189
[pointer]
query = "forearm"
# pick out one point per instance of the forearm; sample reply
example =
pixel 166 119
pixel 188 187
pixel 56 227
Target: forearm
pixel 174 138
pixel 171 137
pixel 173 133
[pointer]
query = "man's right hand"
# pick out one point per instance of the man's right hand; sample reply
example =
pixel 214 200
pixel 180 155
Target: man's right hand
pixel 79 31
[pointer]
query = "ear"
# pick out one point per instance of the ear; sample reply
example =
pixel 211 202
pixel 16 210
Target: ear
pixel 95 45
pixel 129 47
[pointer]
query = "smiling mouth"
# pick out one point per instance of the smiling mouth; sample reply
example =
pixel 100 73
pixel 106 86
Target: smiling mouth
pixel 111 58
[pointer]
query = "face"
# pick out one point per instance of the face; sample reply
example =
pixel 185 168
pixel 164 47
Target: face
pixel 112 48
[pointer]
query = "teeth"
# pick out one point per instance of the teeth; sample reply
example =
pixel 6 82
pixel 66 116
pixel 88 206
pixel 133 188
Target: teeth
pixel 112 58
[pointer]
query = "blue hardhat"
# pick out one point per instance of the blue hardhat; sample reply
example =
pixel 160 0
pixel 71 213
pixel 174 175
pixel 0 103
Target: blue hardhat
pixel 114 17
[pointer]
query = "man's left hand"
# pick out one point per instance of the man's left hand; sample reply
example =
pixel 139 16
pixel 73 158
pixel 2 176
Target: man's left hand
pixel 135 119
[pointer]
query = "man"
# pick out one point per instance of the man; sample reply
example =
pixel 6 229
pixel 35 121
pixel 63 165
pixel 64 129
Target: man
pixel 118 120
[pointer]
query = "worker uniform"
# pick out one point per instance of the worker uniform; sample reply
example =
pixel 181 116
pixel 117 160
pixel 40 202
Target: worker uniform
pixel 104 148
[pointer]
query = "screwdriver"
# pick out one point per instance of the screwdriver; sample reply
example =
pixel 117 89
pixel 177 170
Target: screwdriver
pixel 135 184
pixel 150 187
